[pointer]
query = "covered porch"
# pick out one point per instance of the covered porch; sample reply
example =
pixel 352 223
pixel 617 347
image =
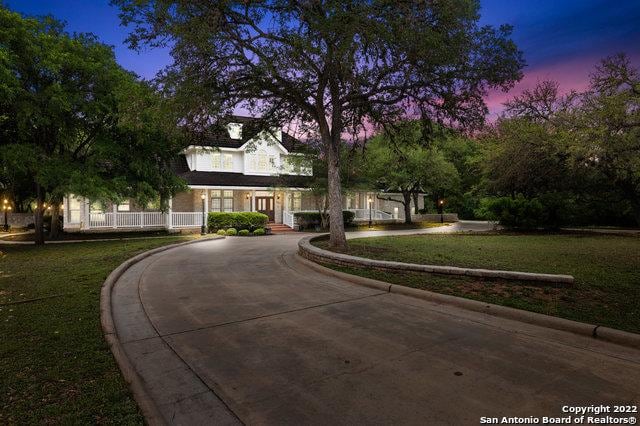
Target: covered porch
pixel 189 209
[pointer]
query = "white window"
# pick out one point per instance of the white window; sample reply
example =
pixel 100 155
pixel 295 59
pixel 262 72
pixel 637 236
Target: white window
pixel 124 207
pixel 227 162
pixel 73 211
pixel 96 207
pixel 221 201
pixel 215 160
pixel 263 162
pixel 296 201
pixel 235 130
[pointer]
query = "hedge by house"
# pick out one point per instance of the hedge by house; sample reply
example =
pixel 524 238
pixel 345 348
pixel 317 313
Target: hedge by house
pixel 312 219
pixel 238 220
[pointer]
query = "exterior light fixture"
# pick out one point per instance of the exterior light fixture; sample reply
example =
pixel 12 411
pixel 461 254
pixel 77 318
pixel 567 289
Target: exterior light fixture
pixel 441 208
pixel 6 210
pixel 203 228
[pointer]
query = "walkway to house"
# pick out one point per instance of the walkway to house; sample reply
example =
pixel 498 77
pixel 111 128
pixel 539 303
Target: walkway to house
pixel 240 331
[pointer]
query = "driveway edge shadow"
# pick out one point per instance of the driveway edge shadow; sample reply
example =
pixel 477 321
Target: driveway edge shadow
pixel 311 255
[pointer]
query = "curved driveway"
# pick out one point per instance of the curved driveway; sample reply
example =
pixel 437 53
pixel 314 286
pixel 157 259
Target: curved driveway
pixel 242 331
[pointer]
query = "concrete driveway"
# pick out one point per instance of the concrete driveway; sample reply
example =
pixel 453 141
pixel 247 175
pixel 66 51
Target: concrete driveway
pixel 240 331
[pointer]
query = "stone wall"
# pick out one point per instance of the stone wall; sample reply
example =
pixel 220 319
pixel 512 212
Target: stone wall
pixel 185 202
pixel 18 220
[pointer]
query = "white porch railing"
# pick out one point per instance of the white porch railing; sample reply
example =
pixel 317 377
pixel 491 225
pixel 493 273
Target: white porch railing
pixel 144 220
pixel 289 219
pixel 363 214
pixel 127 220
pixel 186 219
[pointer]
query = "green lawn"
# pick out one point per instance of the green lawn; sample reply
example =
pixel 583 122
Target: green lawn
pixel 56 366
pixel 606 268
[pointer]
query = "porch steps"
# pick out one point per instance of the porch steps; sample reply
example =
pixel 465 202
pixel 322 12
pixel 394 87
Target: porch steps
pixel 279 228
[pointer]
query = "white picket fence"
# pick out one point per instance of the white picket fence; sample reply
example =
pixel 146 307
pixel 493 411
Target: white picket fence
pixel 364 214
pixel 186 219
pixel 361 215
pixel 144 220
pixel 288 219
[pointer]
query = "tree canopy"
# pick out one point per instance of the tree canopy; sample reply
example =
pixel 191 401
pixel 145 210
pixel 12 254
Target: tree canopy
pixel 73 121
pixel 336 66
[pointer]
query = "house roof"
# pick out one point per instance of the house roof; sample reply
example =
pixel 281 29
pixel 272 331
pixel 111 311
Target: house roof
pixel 219 136
pixel 237 179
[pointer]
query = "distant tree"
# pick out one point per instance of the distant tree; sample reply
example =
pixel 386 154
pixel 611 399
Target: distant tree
pixel 400 161
pixel 72 120
pixel 335 65
pixel 525 157
pixel 608 125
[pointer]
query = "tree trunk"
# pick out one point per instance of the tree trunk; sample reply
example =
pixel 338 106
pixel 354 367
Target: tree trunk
pixel 337 239
pixel 407 206
pixel 415 203
pixel 39 213
pixel 55 214
pixel 635 203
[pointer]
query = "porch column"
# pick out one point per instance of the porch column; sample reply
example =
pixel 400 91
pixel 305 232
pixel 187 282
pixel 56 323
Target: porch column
pixel 253 200
pixel 85 214
pixel 114 207
pixel 206 201
pixel 170 214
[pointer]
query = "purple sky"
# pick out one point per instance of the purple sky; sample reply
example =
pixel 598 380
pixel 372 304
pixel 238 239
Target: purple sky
pixel 561 40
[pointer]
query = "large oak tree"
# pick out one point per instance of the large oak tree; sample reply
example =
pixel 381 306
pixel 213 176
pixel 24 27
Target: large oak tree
pixel 337 66
pixel 73 121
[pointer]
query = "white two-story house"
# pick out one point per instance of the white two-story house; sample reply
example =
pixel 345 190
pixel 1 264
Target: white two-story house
pixel 235 170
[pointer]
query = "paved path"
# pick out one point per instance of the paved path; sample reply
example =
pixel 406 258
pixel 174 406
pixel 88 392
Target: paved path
pixel 241 331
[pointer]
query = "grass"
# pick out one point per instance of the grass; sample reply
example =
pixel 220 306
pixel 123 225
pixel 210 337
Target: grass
pixel 56 366
pixel 71 236
pixel 606 269
pixel 396 226
pixel 384 226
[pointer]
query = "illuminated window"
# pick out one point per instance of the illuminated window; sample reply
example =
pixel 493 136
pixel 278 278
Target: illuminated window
pixel 221 201
pixel 73 210
pixel 227 162
pixel 263 162
pixel 215 160
pixel 124 207
pixel 296 201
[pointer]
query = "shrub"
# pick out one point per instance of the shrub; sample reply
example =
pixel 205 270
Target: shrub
pixel 259 231
pixel 516 213
pixel 310 219
pixel 243 232
pixel 232 231
pixel 237 220
pixel 221 232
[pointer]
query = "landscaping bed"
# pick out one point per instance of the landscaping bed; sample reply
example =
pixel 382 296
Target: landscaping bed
pixel 606 270
pixel 56 366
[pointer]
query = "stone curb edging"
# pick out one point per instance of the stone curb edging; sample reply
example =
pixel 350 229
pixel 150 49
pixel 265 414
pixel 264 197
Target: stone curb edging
pixel 310 251
pixel 595 331
pixel 148 407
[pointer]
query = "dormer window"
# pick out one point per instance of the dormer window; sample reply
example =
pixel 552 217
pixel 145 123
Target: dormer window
pixel 222 161
pixel 235 130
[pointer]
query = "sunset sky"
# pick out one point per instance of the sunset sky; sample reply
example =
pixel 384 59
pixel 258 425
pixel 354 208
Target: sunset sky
pixel 561 40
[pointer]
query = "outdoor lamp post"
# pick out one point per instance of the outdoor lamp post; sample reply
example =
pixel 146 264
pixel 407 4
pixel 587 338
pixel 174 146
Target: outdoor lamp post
pixel 441 208
pixel 6 209
pixel 370 205
pixel 203 228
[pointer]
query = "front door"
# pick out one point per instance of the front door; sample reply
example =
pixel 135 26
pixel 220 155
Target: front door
pixel 265 205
